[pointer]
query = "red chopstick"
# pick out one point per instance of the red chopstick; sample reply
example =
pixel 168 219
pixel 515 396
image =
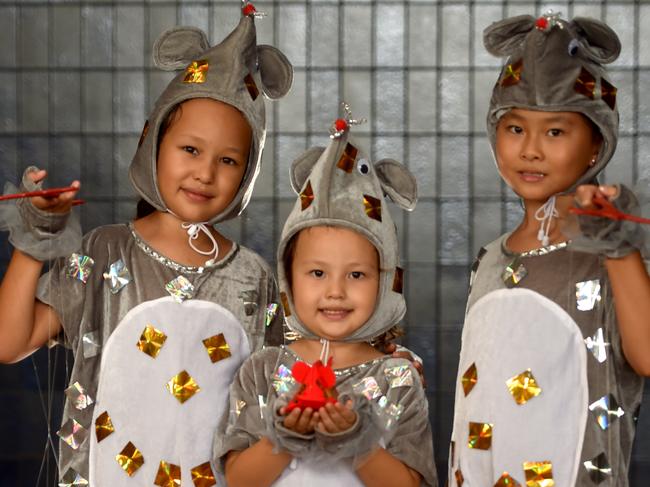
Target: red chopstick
pixel 607 210
pixel 44 193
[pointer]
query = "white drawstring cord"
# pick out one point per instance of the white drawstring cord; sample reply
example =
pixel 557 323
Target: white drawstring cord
pixel 324 351
pixel 545 215
pixel 193 230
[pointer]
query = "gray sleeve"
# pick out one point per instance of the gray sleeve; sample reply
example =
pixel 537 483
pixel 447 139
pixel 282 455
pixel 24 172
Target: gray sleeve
pixel 243 423
pixel 412 442
pixel 67 294
pixel 40 234
pixel 64 296
pixel 613 238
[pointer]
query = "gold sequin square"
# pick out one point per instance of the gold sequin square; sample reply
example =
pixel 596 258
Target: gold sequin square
pixel 217 347
pixel 372 206
pixel 469 379
pixel 512 73
pixel 151 341
pixel 168 475
pixel 130 459
pixel 182 386
pixel 480 436
pixel 103 426
pixel 506 481
pixel 585 84
pixel 523 387
pixel 202 475
pixel 196 72
pixel 348 158
pixel 539 474
pixel 306 196
pixel 608 93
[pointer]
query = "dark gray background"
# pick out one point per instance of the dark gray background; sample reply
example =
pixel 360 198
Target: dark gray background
pixel 76 83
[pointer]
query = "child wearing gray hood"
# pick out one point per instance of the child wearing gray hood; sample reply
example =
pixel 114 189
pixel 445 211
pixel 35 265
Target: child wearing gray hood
pixel 160 312
pixel 556 336
pixel 341 287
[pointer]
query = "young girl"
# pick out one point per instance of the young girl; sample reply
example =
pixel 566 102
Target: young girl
pixel 160 312
pixel 556 336
pixel 341 288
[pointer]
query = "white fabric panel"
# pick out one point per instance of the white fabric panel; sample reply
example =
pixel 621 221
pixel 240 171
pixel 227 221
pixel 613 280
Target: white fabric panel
pixel 158 428
pixel 549 427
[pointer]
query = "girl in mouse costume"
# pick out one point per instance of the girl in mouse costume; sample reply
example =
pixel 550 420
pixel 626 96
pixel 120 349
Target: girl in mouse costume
pixel 159 312
pixel 556 337
pixel 341 287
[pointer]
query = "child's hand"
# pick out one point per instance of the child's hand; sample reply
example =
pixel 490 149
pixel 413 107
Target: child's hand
pixel 55 204
pixel 301 421
pixel 585 195
pixel 336 418
pixel 391 349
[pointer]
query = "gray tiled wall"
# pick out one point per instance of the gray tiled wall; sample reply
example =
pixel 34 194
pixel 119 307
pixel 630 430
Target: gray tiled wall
pixel 76 82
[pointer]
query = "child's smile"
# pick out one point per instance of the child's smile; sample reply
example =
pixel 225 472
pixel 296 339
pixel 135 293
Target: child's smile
pixel 197 195
pixel 202 159
pixel 335 280
pixel 335 313
pixel 541 154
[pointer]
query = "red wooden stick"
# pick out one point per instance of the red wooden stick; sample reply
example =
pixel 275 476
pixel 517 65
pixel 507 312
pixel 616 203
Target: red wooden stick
pixel 44 193
pixel 607 210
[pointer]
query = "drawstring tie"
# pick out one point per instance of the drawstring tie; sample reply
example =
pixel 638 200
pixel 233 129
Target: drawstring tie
pixel 545 215
pixel 193 230
pixel 325 350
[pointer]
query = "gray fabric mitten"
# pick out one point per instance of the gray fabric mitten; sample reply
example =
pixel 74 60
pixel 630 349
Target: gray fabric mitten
pixel 283 438
pixel 360 439
pixel 40 234
pixel 613 238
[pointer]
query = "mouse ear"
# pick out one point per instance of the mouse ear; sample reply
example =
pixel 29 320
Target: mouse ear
pixel 598 41
pixel 503 37
pixel 177 47
pixel 302 166
pixel 398 183
pixel 276 72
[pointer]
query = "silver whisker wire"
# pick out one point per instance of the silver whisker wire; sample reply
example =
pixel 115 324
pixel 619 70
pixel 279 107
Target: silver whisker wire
pixel 348 115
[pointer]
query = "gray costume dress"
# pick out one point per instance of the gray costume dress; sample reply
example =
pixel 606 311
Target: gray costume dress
pixel 391 385
pixel 340 186
pixel 544 394
pixel 156 344
pixel 544 390
pixel 132 334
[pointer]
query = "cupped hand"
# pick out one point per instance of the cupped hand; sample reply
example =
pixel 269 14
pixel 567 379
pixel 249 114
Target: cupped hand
pixel 336 417
pixel 302 421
